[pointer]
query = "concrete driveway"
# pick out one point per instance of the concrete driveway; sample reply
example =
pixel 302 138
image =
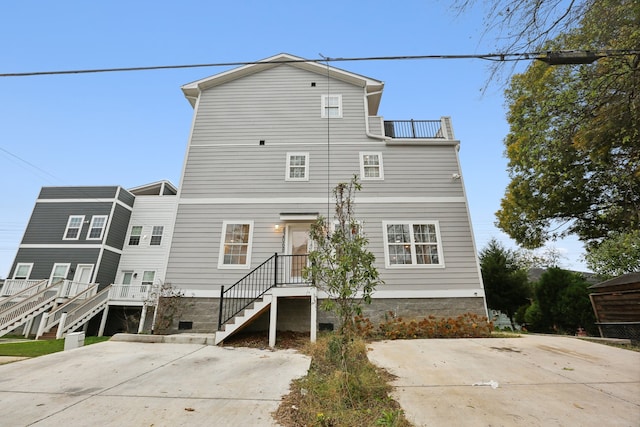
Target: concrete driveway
pixel 143 384
pixel 528 381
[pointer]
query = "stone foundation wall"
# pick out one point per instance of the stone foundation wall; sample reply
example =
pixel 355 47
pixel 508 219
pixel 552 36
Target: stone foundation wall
pixel 200 313
pixel 413 308
pixel 294 313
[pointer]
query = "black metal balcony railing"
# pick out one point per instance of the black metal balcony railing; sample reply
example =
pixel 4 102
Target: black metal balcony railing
pixel 413 129
pixel 275 271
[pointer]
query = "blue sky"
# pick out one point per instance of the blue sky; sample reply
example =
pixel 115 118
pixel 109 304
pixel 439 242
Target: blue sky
pixel 132 128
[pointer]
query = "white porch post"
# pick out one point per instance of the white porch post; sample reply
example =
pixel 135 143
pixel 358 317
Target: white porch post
pixel 273 318
pixel 43 323
pixel 103 322
pixel 27 327
pixel 314 314
pixel 143 317
pixel 63 320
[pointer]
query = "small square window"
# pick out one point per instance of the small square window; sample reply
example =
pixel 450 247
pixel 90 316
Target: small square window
pixel 331 106
pixel 297 167
pixel 371 166
pixel 134 237
pixel 156 235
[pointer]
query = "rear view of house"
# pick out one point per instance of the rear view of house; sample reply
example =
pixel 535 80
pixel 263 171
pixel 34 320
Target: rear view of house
pixel 268 143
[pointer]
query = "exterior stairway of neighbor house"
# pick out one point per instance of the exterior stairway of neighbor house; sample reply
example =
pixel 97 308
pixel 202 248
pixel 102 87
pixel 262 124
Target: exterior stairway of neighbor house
pixel 27 304
pixel 74 313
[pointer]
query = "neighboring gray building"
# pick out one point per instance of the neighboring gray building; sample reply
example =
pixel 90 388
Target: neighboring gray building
pixel 75 233
pixel 267 143
pixel 86 249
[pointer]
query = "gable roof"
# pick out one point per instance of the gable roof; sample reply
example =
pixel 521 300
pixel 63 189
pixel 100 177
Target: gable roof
pixel 159 188
pixel 625 279
pixel 373 87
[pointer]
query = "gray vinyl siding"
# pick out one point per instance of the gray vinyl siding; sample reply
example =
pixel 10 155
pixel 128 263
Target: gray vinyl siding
pixel 125 197
pixel 225 161
pixel 108 268
pixel 43 259
pixel 49 221
pixel 118 228
pixel 259 171
pixel 278 104
pixel 196 243
pixel 108 192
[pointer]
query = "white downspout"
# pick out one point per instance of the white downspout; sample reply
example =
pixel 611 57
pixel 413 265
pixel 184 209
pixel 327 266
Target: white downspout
pixel 366 119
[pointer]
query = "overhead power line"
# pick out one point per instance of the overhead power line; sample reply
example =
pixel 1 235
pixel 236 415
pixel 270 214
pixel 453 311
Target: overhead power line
pixel 489 57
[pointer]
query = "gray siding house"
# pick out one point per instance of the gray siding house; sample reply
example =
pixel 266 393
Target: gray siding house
pixel 80 255
pixel 268 142
pixel 75 233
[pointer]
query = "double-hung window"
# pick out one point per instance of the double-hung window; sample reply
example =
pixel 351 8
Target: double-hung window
pixel 156 235
pixel 96 229
pixel 23 271
pixel 74 226
pixel 235 244
pixel 331 106
pixel 147 279
pixel 134 236
pixel 297 167
pixel 371 166
pixel 413 244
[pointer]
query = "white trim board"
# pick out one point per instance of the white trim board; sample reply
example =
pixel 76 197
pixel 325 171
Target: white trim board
pixel 381 294
pixel 312 200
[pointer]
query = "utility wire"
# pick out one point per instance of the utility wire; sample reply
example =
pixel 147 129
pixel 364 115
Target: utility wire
pixel 489 57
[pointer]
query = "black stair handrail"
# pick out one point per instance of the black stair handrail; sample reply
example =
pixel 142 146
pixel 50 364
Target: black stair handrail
pixel 276 270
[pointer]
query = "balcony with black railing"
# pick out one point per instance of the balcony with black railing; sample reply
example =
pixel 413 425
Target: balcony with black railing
pixel 414 129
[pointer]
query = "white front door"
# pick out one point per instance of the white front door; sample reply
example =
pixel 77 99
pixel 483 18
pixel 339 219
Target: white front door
pixel 297 246
pixel 127 276
pixel 83 273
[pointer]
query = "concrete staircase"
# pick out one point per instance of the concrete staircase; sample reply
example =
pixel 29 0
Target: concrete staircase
pixel 249 314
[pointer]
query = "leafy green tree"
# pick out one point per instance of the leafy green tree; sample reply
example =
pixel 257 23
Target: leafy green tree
pixel 562 299
pixel 574 140
pixel 618 254
pixel 505 280
pixel 340 264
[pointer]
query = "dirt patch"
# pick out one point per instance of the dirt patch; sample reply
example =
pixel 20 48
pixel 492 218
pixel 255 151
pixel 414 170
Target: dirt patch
pixel 284 340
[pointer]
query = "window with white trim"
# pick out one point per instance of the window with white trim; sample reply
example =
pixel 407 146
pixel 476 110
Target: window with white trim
pixel 22 271
pixel 156 235
pixel 134 236
pixel 371 166
pixel 412 244
pixel 148 277
pixel 297 167
pixel 331 106
pixel 59 273
pixel 235 244
pixel 96 229
pixel 74 226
